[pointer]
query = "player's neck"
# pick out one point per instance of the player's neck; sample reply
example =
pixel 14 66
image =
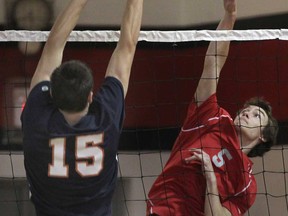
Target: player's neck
pixel 246 144
pixel 74 118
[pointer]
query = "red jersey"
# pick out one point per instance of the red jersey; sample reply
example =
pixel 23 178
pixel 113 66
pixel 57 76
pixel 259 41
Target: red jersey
pixel 180 189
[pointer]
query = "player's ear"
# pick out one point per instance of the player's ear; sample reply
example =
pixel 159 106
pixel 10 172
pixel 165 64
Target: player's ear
pixel 90 97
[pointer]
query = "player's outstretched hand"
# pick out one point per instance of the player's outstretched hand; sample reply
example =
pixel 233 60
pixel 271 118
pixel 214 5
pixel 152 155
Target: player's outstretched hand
pixel 230 6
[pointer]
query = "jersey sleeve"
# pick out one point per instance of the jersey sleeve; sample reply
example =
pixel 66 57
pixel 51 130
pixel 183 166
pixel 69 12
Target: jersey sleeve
pixel 240 203
pixel 197 116
pixel 39 95
pixel 232 208
pixel 38 98
pixel 110 97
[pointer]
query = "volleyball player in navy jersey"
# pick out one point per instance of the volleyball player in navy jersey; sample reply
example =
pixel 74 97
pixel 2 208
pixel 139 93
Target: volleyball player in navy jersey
pixel 209 171
pixel 70 135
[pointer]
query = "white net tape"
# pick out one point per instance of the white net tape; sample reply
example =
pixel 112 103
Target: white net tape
pixel 152 36
pixel 135 168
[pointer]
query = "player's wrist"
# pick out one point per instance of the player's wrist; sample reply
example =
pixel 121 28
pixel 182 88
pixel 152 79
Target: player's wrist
pixel 210 178
pixel 231 15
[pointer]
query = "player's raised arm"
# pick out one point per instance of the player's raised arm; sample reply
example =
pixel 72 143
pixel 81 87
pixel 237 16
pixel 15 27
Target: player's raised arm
pixel 216 56
pixel 121 61
pixel 53 50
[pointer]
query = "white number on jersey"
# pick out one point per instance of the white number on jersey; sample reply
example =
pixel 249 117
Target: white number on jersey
pixel 218 160
pixel 89 156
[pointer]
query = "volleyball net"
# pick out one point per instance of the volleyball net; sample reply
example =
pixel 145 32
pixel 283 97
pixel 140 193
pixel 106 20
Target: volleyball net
pixel 165 73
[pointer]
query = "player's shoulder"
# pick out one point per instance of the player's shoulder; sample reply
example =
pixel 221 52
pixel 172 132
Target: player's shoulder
pixel 41 87
pixel 39 96
pixel 113 83
pixel 110 95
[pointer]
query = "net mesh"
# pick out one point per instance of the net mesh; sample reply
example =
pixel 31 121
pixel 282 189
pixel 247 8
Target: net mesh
pixel 165 72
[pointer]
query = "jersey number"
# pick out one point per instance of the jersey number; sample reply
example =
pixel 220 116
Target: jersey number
pixel 218 160
pixel 89 156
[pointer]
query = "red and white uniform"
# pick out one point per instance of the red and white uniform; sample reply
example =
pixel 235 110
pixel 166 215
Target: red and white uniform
pixel 180 189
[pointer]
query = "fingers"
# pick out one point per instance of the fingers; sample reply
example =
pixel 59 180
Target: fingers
pixel 230 6
pixel 197 154
pixel 204 158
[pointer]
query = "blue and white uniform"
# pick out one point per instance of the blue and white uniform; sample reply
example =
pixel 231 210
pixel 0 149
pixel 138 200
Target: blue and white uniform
pixel 72 170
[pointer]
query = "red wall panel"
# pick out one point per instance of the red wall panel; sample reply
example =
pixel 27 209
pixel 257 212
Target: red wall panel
pixel 164 79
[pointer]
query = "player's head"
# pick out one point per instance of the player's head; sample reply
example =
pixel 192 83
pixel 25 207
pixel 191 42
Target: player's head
pixel 256 124
pixel 71 85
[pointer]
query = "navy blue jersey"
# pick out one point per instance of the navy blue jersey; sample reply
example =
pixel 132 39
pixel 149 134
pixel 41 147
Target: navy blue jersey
pixel 72 170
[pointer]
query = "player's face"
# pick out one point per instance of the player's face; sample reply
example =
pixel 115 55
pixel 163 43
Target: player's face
pixel 251 121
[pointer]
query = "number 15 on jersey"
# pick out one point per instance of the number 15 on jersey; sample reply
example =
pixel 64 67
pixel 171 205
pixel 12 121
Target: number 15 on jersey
pixel 87 149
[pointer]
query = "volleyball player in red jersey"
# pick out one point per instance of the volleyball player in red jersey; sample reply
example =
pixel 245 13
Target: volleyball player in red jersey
pixel 209 172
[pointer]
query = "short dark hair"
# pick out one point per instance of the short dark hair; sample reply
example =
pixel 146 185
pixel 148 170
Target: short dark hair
pixel 71 84
pixel 270 131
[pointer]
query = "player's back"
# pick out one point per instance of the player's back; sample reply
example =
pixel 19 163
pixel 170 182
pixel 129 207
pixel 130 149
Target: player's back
pixel 72 170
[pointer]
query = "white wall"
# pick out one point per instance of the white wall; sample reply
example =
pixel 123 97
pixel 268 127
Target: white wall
pixel 207 11
pixel 274 181
pixel 167 12
pixel 140 170
pixel 2 12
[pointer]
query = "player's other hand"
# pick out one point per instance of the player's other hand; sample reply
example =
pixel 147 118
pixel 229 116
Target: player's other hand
pixel 204 158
